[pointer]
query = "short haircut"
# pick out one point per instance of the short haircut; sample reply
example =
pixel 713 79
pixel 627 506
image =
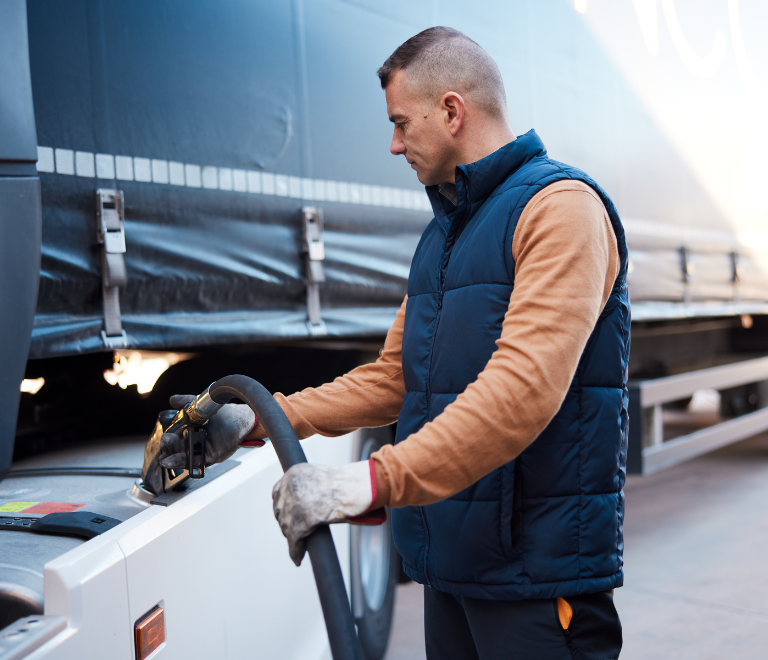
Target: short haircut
pixel 441 59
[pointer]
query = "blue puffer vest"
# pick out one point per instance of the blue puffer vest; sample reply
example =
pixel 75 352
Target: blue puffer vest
pixel 548 523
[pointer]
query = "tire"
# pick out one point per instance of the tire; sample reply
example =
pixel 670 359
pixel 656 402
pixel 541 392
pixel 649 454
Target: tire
pixel 740 400
pixel 375 567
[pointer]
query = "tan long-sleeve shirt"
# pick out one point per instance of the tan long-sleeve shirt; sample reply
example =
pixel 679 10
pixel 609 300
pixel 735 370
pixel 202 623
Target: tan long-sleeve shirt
pixel 566 261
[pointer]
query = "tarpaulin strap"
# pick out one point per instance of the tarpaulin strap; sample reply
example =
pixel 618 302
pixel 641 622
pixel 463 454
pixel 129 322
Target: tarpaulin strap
pixel 113 324
pixel 111 236
pixel 313 248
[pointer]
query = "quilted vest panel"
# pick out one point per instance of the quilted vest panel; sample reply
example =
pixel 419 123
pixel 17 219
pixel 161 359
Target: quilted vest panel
pixel 548 523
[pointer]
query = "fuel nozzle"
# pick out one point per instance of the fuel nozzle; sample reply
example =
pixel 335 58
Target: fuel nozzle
pixel 190 423
pixel 196 412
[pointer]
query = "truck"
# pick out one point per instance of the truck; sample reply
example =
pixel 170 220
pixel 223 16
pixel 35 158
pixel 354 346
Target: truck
pixel 190 190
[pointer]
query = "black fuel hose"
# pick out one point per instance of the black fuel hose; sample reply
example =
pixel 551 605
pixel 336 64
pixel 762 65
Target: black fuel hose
pixel 322 552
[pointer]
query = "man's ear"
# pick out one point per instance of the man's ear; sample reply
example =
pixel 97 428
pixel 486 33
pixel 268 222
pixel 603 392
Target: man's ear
pixel 452 105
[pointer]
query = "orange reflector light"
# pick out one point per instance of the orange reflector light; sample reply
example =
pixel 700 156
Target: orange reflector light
pixel 150 633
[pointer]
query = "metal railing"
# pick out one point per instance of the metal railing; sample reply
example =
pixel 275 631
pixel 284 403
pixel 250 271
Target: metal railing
pixel 647 451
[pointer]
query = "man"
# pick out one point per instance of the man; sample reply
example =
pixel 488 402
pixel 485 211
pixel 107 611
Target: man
pixel 505 369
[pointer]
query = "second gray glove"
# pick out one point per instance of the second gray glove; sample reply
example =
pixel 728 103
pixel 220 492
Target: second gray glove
pixel 226 430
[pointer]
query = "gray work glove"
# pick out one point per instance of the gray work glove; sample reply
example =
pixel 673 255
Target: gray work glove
pixel 226 430
pixel 311 495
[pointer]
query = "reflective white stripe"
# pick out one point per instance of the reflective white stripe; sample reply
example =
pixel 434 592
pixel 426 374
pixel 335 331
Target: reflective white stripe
pixel 45 160
pixel 254 182
pixel 176 173
pixel 225 178
pixel 159 171
pixel 84 164
pixel 678 233
pixel 65 161
pixel 142 169
pixel 281 185
pixel 193 176
pixel 126 168
pixel 319 191
pixel 294 187
pixel 210 178
pixel 238 179
pixel 268 183
pixel 344 192
pixel 105 166
pixel 332 191
pixel 307 189
pixel 682 235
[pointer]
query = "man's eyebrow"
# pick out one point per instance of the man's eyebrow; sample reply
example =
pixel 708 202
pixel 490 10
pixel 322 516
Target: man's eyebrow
pixel 397 118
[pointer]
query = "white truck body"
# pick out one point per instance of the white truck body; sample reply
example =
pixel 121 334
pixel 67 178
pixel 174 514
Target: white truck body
pixel 215 561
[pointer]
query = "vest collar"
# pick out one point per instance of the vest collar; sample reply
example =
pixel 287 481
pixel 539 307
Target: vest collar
pixel 476 181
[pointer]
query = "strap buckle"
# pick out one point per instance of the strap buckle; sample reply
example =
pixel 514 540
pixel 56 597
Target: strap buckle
pixel 313 248
pixel 110 234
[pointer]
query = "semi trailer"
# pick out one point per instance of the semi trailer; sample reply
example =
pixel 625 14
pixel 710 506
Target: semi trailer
pixel 190 190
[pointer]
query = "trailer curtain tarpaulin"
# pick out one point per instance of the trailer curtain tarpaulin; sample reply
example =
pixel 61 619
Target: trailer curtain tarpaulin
pixel 205 270
pixel 219 123
pixel 203 117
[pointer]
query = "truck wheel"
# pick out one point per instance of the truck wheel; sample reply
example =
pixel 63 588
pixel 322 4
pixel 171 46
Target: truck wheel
pixel 741 400
pixel 375 568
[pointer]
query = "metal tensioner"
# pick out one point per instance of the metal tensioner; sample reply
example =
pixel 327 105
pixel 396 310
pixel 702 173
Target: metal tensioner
pixel 313 248
pixel 110 233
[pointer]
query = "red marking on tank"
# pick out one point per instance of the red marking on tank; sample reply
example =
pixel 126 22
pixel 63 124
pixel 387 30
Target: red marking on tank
pixel 53 507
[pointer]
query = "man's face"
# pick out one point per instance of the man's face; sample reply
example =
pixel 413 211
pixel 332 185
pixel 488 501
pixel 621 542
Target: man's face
pixel 420 134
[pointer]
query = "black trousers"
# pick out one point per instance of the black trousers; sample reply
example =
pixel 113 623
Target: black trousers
pixel 461 628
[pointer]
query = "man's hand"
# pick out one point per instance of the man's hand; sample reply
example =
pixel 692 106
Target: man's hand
pixel 311 495
pixel 226 430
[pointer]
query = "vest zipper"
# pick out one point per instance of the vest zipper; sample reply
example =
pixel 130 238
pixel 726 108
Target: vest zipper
pixel 432 348
pixel 426 545
pixel 449 243
pixel 429 409
pixel 440 292
pixel 429 414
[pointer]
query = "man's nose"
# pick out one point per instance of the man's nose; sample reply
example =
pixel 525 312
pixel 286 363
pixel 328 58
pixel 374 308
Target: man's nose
pixel 397 148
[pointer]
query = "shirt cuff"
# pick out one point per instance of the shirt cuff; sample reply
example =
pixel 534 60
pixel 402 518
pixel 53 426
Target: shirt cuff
pixel 379 485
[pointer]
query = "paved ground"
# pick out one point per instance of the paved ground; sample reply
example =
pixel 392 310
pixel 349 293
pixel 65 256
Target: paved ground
pixel 696 564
